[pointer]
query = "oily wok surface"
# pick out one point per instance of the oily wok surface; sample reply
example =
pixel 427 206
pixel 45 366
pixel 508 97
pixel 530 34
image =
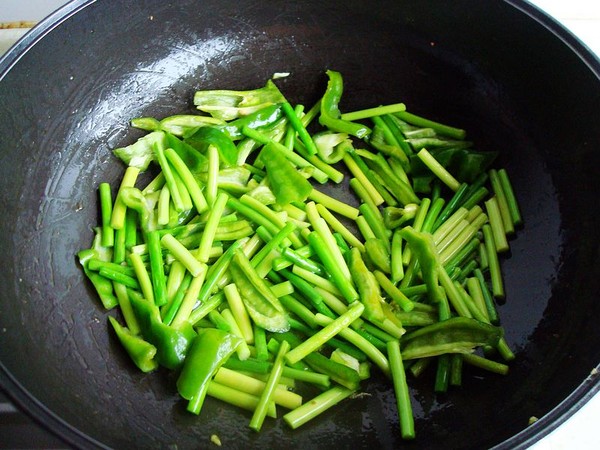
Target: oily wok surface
pixel 517 82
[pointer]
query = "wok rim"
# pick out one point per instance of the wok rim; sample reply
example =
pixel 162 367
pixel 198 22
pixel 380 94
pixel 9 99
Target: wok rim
pixel 50 421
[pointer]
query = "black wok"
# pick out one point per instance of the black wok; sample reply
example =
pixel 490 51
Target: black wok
pixel 512 77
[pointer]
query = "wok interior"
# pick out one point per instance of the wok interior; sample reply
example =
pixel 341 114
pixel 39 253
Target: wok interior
pixel 483 66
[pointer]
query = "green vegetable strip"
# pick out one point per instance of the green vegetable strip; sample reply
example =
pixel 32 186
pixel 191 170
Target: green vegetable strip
pixel 126 310
pixel 130 228
pixel 323 335
pixel 164 200
pixel 509 227
pixel 476 293
pixel 493 262
pixel 260 343
pixel 390 122
pixel 419 366
pixel 308 291
pixel 382 188
pixel 142 276
pixel 353 337
pixel 271 216
pixel 289 257
pixel 337 305
pixel 488 298
pixel 405 415
pixel 322 169
pixel 440 128
pixel 157 271
pixel 362 178
pixel 291 304
pixel 155 185
pixel 339 227
pixel 250 385
pixel 364 228
pixel 432 215
pixel 453 204
pixel 239 312
pixel 476 197
pixel 267 395
pixel 460 257
pixel 493 212
pixel 438 170
pixel 252 365
pixel 96 264
pixel 212 177
pixel 450 224
pixel 272 243
pixel 396 264
pixel 237 398
pixel 242 350
pixel 210 229
pixel 106 204
pixel 468 301
pixel 176 274
pixel 456 364
pixel 453 295
pixel 119 277
pixel 307 376
pixel 375 222
pixel 188 179
pixel 322 229
pixel 169 178
pixel 361 192
pixel 186 199
pixel 511 200
pixel 316 406
pixel 172 308
pixel 293 157
pixel 333 204
pixel 394 293
pixel 370 112
pixel 181 254
pixel 281 289
pixel 252 215
pixel 457 243
pixel 117 220
pixel 190 298
pixel 304 136
pixel 486 364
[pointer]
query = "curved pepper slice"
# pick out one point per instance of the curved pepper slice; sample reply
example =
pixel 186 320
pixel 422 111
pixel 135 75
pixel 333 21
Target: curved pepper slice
pixel 142 353
pixel 171 343
pixel 455 335
pixel 209 350
pixel 368 288
pixel 264 308
pixel 330 113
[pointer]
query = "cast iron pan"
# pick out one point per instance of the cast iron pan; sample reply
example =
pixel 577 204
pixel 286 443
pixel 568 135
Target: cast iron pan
pixel 508 74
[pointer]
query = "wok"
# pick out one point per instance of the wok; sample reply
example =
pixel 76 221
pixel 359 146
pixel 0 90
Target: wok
pixel 517 81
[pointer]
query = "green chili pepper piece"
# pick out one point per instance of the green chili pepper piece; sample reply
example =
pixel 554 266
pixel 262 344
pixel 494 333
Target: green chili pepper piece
pixel 422 246
pixel 103 286
pixel 330 113
pixel 455 335
pixel 142 353
pixel 265 117
pixel 171 343
pixel 205 136
pixel 262 305
pixel 368 288
pixel 285 181
pixel 209 350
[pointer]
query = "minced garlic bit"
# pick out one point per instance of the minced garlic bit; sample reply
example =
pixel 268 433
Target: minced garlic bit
pixel 532 420
pixel 278 75
pixel 215 440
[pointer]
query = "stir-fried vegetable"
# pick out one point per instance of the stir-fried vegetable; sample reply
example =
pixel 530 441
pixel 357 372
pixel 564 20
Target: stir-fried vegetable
pixel 234 267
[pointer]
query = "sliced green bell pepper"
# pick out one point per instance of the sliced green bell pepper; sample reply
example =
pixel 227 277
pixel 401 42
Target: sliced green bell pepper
pixel 141 352
pixel 209 350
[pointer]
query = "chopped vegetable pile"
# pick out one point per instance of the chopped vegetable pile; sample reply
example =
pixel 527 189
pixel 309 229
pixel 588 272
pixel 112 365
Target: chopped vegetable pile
pixel 234 267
